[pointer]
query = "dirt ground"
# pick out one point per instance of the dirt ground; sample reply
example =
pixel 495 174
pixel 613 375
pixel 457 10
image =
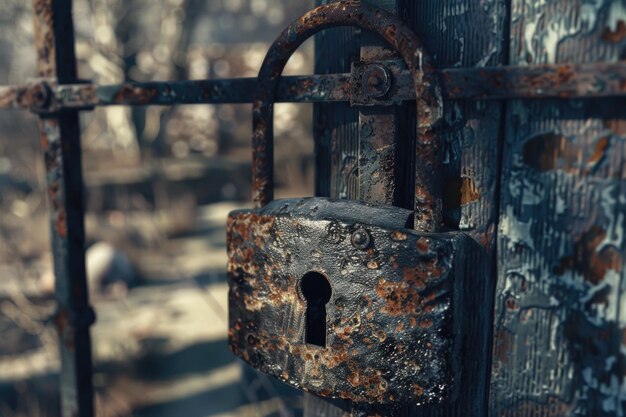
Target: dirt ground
pixel 159 347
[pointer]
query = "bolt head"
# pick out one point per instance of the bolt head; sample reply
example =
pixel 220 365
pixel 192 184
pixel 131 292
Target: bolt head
pixel 361 239
pixel 376 81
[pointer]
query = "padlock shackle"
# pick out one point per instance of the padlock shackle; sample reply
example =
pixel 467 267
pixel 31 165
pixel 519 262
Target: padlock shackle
pixel 428 206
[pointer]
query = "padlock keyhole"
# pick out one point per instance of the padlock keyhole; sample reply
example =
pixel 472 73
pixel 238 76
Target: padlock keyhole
pixel 316 291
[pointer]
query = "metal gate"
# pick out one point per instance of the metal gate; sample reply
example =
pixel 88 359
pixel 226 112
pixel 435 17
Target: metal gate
pixel 535 183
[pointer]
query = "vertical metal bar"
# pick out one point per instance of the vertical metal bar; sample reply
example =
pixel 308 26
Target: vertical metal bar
pixel 378 129
pixel 60 142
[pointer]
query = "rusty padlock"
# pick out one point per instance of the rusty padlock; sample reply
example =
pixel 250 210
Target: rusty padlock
pixel 342 298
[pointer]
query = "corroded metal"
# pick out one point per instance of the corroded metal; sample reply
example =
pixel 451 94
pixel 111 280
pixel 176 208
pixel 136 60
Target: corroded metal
pixel 561 81
pixel 390 320
pixel 60 143
pixel 428 101
pixel 370 83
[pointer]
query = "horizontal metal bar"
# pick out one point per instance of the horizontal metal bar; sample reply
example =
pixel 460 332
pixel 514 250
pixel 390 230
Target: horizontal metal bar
pixel 565 81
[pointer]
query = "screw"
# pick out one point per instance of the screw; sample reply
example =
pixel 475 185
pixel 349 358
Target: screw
pixel 361 239
pixel 376 81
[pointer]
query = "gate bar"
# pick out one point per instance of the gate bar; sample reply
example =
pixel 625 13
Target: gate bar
pixel 60 142
pixel 560 81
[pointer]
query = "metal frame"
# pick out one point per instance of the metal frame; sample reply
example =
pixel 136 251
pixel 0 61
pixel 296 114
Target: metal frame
pixel 58 96
pixel 558 81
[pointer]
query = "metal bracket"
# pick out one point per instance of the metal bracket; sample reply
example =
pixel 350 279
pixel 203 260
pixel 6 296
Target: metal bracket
pixel 374 83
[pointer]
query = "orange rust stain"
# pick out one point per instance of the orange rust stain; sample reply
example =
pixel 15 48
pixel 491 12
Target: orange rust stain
pixel 399 297
pixel 370 380
pixel 459 192
pixel 599 152
pixel 551 151
pixel 426 324
pixel 511 304
pixel 418 390
pixel 588 261
pixel 422 245
pixel 398 236
pixel 502 346
pixel 242 227
pixel 617 126
pixel 62 323
pixel 565 73
pixel 615 36
pixel 422 273
pixel 61 224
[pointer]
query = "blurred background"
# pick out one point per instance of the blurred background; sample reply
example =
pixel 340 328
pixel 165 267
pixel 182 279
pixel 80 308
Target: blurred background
pixel 160 182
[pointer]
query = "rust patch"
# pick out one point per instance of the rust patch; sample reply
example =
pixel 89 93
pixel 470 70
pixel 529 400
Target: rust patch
pixel 426 324
pixel 549 151
pixel 136 95
pixel 64 328
pixel 617 126
pixel 615 36
pixel 599 153
pixel 502 346
pixel 459 192
pixel 511 304
pixel 399 297
pixel 587 261
pixel 398 236
pixel 61 224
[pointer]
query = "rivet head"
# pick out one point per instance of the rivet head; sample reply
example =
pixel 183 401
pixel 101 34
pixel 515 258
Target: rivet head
pixel 361 239
pixel 376 81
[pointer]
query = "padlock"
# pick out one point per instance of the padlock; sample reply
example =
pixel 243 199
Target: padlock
pixel 341 298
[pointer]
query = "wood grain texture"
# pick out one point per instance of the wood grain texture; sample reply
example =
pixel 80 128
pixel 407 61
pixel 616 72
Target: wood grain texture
pixel 560 301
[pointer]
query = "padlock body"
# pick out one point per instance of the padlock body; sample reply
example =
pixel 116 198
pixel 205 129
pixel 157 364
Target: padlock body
pixel 391 330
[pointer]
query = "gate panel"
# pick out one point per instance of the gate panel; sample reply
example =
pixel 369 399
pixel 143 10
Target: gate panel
pixel 560 317
pixel 60 143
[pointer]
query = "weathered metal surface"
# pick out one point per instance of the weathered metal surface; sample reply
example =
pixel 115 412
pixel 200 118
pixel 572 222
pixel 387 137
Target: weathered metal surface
pixel 336 136
pixel 370 84
pixel 559 347
pixel 390 330
pixel 380 136
pixel 468 35
pixel 350 13
pixel 470 133
pixel 335 127
pixel 60 142
pixel 548 81
pixel 542 81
